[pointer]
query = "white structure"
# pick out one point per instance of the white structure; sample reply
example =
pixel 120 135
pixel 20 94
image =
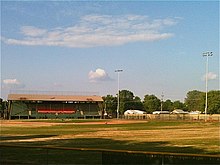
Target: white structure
pixel 179 111
pixel 134 112
pixel 195 112
pixel 160 112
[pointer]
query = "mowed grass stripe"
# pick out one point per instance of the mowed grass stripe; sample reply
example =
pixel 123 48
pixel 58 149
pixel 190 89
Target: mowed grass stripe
pixel 180 137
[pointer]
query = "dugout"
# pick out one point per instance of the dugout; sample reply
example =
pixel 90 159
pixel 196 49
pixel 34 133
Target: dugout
pixel 26 106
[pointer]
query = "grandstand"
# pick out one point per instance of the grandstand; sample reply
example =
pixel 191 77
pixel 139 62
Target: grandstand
pixel 46 106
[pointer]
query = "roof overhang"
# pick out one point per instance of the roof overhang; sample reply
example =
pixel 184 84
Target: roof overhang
pixel 36 97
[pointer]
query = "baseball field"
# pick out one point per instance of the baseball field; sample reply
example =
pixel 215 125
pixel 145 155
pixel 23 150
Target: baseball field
pixel 81 141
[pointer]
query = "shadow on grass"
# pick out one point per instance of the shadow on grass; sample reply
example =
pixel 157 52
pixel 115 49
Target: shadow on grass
pixel 24 137
pixel 40 156
pixel 125 145
pixel 16 155
pixel 101 143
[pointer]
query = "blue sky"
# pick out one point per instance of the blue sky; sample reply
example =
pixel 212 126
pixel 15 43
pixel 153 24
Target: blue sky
pixel 77 46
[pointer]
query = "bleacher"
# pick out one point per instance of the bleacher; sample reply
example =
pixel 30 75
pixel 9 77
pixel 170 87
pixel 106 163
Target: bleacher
pixel 54 106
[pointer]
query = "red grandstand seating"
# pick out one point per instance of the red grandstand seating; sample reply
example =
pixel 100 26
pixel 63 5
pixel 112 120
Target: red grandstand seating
pixel 65 111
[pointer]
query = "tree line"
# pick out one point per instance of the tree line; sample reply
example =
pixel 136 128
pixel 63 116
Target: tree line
pixel 194 101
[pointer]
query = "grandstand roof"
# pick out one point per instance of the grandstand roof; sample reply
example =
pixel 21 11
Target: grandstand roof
pixel 38 97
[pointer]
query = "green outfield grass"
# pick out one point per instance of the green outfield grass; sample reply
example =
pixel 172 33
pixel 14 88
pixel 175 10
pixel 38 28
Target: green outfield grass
pixel 153 136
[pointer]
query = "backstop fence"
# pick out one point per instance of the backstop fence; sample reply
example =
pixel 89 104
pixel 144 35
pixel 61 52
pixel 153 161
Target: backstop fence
pixel 17 154
pixel 171 117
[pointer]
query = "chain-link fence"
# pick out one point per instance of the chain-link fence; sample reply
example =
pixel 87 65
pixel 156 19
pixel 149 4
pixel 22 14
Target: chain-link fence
pixel 30 155
pixel 173 117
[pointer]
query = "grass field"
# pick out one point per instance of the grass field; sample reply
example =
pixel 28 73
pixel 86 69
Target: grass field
pixel 150 136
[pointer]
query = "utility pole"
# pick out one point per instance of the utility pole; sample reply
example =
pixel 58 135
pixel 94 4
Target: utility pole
pixel 206 54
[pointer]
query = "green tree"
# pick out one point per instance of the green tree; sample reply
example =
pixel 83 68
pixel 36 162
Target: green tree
pixel 1 104
pixel 110 104
pixel 151 103
pixel 195 101
pixel 138 99
pixel 129 101
pixel 126 95
pixel 179 105
pixel 213 102
pixel 138 104
pixel 168 105
pixel 133 104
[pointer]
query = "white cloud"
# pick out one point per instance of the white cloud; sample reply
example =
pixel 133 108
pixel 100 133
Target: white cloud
pixel 12 84
pixel 210 76
pixel 32 31
pixel 57 85
pixel 97 30
pixel 11 81
pixel 98 75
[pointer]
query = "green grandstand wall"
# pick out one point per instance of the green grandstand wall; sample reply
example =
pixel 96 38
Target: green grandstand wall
pixel 50 107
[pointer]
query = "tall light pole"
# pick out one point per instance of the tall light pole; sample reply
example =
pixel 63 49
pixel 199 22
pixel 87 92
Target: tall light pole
pixel 118 71
pixel 207 55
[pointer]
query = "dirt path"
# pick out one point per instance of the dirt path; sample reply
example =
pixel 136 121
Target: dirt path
pixel 17 123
